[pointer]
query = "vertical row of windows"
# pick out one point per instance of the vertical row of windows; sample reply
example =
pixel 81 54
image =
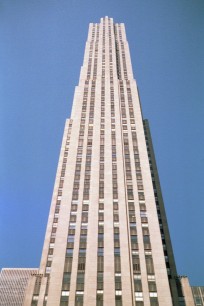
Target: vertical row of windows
pixel 58 202
pixel 56 214
pixel 117 255
pixel 143 213
pixel 37 290
pixel 79 297
pixel 110 55
pixel 96 54
pixel 74 205
pixel 131 206
pixel 100 251
pixel 120 50
pixel 103 51
pixel 107 33
pixel 91 61
pixel 124 61
pixel 120 40
pixel 117 49
pixel 100 255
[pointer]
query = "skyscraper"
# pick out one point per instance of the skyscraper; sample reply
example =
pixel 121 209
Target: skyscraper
pixel 107 240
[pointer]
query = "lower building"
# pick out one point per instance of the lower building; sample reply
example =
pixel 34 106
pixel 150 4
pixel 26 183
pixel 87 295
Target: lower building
pixel 198 295
pixel 13 283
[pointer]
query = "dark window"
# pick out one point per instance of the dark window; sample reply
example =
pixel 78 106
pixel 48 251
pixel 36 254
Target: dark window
pixel 80 281
pixel 100 263
pixel 68 264
pixel 79 300
pixel 138 285
pixel 154 301
pixel 136 264
pixel 149 265
pixel 81 264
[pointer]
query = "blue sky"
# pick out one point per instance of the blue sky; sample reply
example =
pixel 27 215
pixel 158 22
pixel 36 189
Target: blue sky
pixel 41 51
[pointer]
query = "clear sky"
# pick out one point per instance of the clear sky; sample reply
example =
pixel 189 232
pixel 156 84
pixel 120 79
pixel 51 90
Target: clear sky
pixel 41 50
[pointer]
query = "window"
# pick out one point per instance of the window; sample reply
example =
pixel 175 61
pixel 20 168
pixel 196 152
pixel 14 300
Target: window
pixel 154 301
pixel 152 286
pixel 69 253
pixel 100 251
pixel 139 303
pixel 116 217
pixel 149 264
pixel 118 298
pixel 81 264
pixel 145 230
pixel 99 299
pixel 117 251
pixel 100 281
pixel 138 285
pixel 70 238
pixel 134 242
pixel 100 263
pixel 118 285
pixel 117 264
pixel 142 207
pixel 79 300
pixel 73 217
pixel 68 264
pixel 82 252
pixel 136 264
pixel 80 281
pixel 66 281
pixel 100 229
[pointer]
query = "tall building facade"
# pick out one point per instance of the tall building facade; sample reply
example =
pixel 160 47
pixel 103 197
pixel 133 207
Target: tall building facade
pixel 107 240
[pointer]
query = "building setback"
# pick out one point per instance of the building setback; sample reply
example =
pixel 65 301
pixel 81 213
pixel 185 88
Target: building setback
pixel 107 240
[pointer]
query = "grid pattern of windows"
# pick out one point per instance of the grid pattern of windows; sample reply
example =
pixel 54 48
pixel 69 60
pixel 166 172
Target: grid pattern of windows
pixel 100 257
